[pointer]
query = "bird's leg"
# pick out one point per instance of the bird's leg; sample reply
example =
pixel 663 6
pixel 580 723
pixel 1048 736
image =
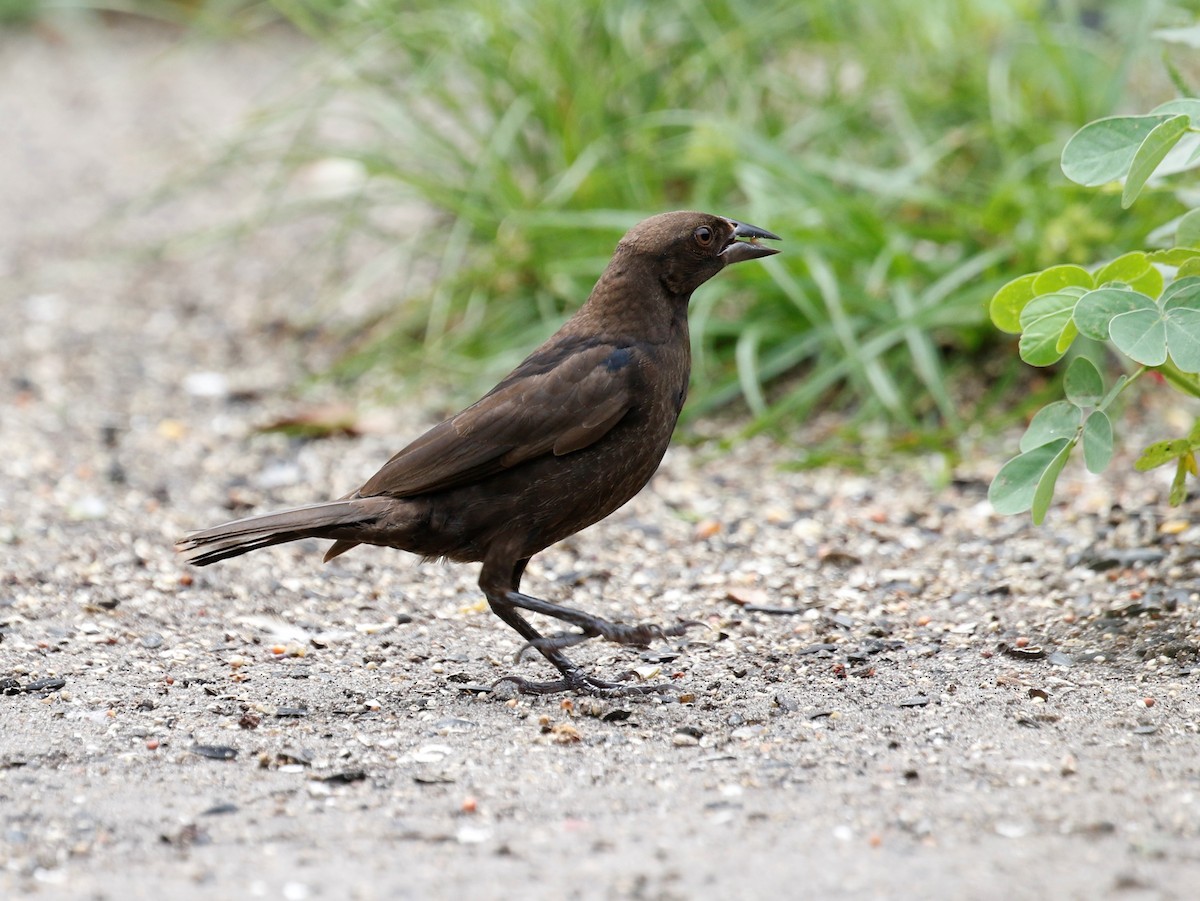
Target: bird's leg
pixel 504 599
pixel 558 641
pixel 639 636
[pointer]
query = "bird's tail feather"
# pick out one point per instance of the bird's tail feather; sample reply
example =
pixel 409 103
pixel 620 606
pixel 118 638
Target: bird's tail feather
pixel 232 539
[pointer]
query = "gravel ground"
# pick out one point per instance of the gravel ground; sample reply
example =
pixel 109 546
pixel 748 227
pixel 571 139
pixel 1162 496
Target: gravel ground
pixel 900 695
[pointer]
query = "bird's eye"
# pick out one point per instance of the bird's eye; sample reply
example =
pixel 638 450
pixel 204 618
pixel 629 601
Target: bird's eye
pixel 703 235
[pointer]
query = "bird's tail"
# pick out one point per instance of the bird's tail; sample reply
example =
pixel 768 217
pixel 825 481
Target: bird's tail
pixel 333 519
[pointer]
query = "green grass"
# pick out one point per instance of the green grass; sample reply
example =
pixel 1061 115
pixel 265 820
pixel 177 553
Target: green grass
pixel 902 150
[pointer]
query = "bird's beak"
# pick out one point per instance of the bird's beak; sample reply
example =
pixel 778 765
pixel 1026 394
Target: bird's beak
pixel 736 251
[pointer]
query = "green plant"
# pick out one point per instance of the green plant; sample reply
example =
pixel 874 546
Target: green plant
pixel 1150 319
pixel 892 146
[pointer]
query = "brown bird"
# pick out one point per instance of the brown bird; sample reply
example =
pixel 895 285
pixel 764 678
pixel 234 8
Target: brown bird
pixel 565 439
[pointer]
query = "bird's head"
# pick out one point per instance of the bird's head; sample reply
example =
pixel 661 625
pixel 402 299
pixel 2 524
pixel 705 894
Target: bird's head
pixel 685 249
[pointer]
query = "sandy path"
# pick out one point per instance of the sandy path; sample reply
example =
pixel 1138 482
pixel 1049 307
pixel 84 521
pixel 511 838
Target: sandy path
pixel 894 740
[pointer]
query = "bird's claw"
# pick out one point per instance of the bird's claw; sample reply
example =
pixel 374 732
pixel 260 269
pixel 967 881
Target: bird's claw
pixel 576 680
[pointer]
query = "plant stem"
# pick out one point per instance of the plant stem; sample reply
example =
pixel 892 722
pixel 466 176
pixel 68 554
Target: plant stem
pixel 1186 382
pixel 1115 391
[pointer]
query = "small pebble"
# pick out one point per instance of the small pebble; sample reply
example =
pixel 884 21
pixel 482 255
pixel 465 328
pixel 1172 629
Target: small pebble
pixel 206 384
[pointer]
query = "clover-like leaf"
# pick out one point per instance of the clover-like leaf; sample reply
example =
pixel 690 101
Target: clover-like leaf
pixel 1007 303
pixel 1160 453
pixel 1132 270
pixel 1124 269
pixel 1180 106
pixel 1043 322
pixel 1069 333
pixel 1174 256
pixel 1097 441
pixel 1013 488
pixel 1181 450
pixel 1083 385
pixel 1181 316
pixel 1096 309
pixel 1153 150
pixel 1181 287
pixel 1102 151
pixel 1048 281
pixel 1044 492
pixel 1149 283
pixel 1141 335
pixel 1054 421
pixel 1179 484
pixel 1183 338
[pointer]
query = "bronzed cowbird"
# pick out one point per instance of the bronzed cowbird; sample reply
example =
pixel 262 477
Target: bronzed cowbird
pixel 565 439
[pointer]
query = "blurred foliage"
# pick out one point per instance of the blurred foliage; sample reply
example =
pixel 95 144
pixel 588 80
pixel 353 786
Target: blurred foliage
pixel 905 151
pixel 18 12
pixel 221 18
pixel 1144 307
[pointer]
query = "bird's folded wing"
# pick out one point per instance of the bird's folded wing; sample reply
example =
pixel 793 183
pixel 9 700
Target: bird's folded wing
pixel 555 402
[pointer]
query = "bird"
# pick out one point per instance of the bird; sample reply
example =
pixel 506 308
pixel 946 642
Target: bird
pixel 569 436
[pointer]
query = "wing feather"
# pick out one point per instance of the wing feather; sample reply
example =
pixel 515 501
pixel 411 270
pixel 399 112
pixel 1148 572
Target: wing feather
pixel 560 400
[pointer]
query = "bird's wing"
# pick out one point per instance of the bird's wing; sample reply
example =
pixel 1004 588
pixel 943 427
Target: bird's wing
pixel 560 400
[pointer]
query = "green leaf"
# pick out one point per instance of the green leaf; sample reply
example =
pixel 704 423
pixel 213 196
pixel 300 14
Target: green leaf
pixel 1181 287
pixel 1181 314
pixel 1175 256
pixel 1152 151
pixel 1133 270
pixel 1160 453
pixel 1007 303
pixel 1125 268
pixel 1069 333
pixel 1083 385
pixel 1189 268
pixel 1150 283
pixel 1182 106
pixel 1042 322
pixel 1141 335
pixel 1187 230
pixel 1054 421
pixel 1097 441
pixel 1102 151
pixel 1013 488
pixel 1056 278
pixel 1183 338
pixel 1096 309
pixel 1179 484
pixel 1045 486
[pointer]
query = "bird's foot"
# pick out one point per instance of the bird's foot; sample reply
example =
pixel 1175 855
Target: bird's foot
pixel 576 680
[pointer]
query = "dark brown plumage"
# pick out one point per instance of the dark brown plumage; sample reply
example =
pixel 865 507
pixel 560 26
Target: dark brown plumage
pixel 565 439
